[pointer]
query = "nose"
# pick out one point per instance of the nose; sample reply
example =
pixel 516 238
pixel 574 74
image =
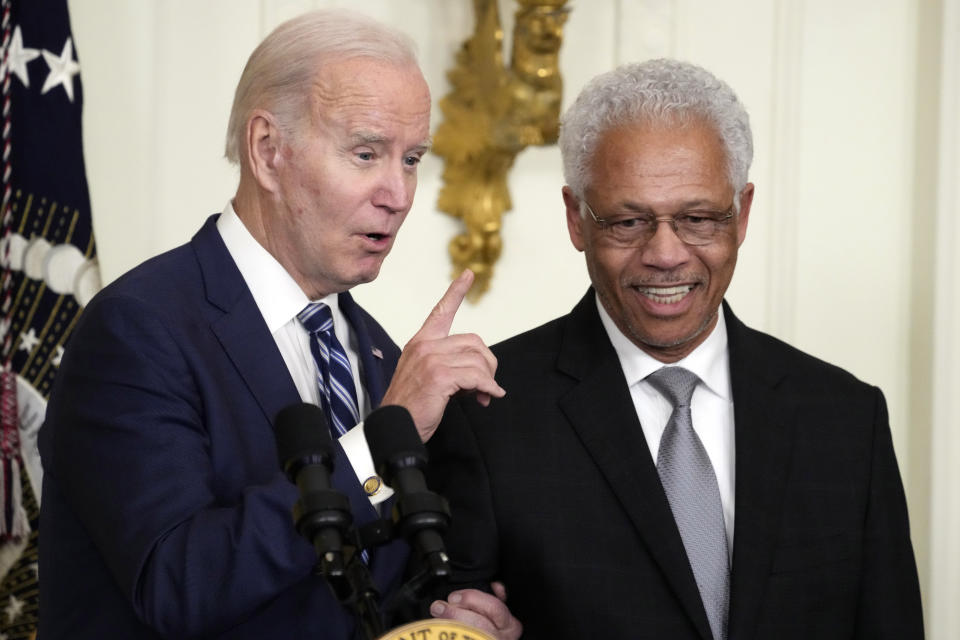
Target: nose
pixel 665 250
pixel 396 189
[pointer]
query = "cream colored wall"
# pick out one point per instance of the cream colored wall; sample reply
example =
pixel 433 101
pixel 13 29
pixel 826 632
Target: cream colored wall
pixel 943 376
pixel 839 256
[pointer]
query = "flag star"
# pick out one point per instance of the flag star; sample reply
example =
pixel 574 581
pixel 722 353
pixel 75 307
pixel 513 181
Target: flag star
pixel 19 56
pixel 29 340
pixel 62 69
pixel 57 357
pixel 14 608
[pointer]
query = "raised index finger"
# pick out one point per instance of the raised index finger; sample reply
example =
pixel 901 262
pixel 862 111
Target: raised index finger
pixel 438 323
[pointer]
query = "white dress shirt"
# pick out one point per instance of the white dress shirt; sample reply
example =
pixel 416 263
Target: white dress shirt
pixel 280 299
pixel 711 407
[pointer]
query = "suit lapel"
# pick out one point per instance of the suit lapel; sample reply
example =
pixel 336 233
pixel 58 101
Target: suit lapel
pixel 372 366
pixel 241 329
pixel 600 409
pixel 765 432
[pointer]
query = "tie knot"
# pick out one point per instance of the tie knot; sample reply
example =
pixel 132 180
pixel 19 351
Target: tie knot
pixel 676 383
pixel 316 317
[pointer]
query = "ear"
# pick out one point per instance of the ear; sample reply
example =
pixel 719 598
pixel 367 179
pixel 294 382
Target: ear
pixel 574 218
pixel 746 201
pixel 264 149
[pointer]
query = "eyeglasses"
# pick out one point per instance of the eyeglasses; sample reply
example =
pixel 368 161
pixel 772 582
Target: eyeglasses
pixel 695 227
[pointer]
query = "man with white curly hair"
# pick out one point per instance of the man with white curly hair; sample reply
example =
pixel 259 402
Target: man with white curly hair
pixel 657 469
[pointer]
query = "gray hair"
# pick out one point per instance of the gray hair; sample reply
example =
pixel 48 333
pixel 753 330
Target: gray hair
pixel 655 91
pixel 280 71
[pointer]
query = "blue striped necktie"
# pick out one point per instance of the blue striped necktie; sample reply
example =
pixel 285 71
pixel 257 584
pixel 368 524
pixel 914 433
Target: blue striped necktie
pixel 338 394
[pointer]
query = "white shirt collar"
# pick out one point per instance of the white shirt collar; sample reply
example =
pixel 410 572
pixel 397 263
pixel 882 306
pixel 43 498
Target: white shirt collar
pixel 710 360
pixel 277 294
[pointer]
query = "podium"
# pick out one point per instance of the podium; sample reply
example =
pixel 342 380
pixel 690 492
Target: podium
pixel 436 629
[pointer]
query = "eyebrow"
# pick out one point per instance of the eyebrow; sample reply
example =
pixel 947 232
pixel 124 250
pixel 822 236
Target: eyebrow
pixel 370 137
pixel 424 146
pixel 367 137
pixel 699 204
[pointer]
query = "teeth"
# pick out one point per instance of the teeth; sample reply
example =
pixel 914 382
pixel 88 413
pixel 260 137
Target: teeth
pixel 665 295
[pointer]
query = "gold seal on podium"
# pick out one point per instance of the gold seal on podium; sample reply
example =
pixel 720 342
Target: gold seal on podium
pixel 436 629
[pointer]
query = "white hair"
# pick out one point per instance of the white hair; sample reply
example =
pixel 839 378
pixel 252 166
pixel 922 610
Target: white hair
pixel 280 71
pixel 659 91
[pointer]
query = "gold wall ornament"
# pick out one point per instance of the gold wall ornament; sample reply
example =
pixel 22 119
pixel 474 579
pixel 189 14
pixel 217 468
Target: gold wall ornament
pixel 491 114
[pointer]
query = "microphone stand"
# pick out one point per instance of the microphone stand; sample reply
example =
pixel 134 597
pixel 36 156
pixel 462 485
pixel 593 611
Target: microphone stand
pixel 364 600
pixel 354 586
pixel 322 513
pixel 355 589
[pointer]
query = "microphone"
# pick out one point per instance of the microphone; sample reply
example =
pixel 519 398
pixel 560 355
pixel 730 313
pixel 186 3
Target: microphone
pixel 421 515
pixel 322 514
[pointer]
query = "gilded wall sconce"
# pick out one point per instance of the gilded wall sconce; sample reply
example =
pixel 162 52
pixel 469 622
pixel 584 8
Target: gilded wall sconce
pixel 491 114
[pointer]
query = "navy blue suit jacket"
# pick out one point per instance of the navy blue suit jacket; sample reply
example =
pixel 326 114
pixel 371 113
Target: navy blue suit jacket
pixel 164 511
pixel 554 491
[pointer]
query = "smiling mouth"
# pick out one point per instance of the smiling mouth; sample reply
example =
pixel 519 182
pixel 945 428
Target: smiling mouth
pixel 665 295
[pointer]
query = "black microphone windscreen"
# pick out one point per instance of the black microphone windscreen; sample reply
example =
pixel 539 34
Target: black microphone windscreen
pixel 301 430
pixel 389 431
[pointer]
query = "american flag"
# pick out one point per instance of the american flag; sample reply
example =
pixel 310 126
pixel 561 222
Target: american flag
pixel 49 269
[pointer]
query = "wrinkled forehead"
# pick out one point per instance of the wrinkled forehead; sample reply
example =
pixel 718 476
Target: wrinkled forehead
pixel 622 141
pixel 658 166
pixel 371 85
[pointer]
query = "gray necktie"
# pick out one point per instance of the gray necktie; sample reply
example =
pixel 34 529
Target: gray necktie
pixel 691 487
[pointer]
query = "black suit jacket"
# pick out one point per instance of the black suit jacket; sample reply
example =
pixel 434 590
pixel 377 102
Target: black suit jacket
pixel 164 511
pixel 554 491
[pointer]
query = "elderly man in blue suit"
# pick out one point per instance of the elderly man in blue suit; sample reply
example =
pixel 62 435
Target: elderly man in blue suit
pixel 165 513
